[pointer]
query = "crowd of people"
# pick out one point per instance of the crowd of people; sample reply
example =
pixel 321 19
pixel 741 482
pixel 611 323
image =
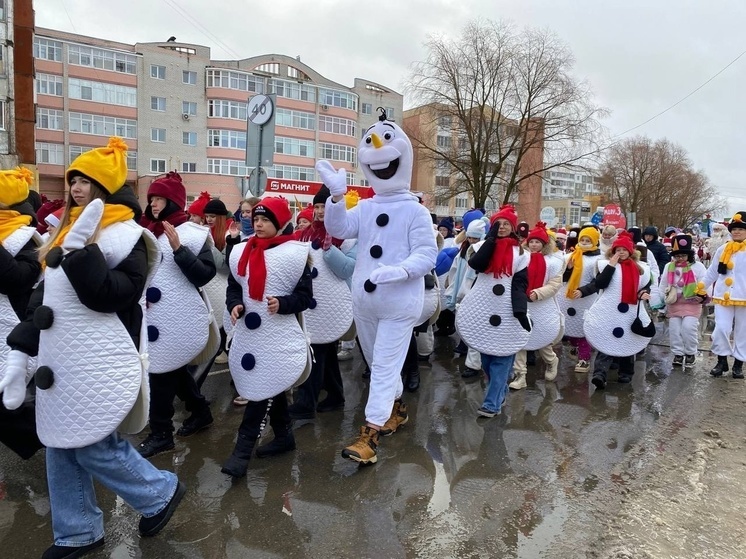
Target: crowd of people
pixel 110 312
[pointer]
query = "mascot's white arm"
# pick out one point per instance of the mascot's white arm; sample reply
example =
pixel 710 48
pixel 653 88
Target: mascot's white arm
pixel 338 221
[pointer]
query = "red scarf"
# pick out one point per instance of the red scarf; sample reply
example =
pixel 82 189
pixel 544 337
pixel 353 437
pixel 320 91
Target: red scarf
pixel 630 281
pixel 156 226
pixel 537 270
pixel 253 259
pixel 502 258
pixel 316 234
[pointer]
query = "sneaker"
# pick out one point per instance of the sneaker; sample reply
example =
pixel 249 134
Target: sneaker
pixel 221 359
pixel 67 552
pixel 150 526
pixel 519 383
pixel 470 373
pixel 689 360
pixel 345 355
pixel 363 450
pixel 195 423
pixel 551 373
pixel 678 360
pixel 398 418
pixel 583 366
pixel 240 401
pixel 599 382
pixel 484 412
pixel 155 443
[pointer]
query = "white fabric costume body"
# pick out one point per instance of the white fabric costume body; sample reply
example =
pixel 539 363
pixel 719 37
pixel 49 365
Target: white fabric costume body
pixel 608 321
pixel 484 318
pixel 215 288
pixel 98 371
pixel 574 309
pixel 269 351
pixel 396 248
pixel 729 297
pixel 13 243
pixel 546 316
pixel 330 315
pixel 178 319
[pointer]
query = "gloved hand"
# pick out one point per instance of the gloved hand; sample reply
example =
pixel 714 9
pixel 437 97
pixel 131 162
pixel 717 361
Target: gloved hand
pixel 13 385
pixel 388 274
pixel 85 226
pixel 335 180
pixel 523 319
pixel 492 233
pixel 327 244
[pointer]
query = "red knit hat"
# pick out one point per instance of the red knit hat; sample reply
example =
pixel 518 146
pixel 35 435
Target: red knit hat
pixel 539 232
pixel 198 206
pixel 275 209
pixel 506 212
pixel 624 240
pixel 305 214
pixel 169 187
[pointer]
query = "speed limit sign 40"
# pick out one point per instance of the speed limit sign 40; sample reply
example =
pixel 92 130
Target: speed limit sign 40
pixel 260 109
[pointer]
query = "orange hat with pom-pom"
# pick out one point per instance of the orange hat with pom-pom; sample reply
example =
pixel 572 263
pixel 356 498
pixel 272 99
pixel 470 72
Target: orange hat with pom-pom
pixel 198 206
pixel 14 185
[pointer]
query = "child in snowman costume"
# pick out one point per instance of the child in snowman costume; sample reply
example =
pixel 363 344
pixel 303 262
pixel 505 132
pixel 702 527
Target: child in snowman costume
pixel 396 248
pixel 19 272
pixel 726 276
pixel 545 271
pixel 493 318
pixel 85 321
pixel 270 283
pixel 178 318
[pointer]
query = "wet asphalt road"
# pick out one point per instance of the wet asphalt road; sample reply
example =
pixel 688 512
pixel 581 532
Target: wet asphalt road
pixel 447 484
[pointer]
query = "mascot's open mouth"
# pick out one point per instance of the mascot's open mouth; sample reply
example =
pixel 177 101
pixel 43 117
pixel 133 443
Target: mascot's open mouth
pixel 386 172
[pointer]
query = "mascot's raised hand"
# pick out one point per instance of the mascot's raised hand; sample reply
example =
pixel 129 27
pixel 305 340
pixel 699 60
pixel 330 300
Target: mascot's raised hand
pixel 13 385
pixel 334 179
pixel 85 226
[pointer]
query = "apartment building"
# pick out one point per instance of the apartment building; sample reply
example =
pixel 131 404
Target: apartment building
pixel 570 182
pixel 180 110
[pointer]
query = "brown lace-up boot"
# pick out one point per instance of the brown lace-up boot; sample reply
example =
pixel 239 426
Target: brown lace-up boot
pixel 363 450
pixel 398 418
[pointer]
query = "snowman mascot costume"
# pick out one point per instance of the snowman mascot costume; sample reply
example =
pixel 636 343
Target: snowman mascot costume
pixel 396 249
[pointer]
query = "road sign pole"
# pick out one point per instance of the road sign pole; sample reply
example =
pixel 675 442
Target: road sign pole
pixel 259 190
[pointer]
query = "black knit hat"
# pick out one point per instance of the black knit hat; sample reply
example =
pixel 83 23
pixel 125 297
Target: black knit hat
pixel 738 220
pixel 216 207
pixel 682 244
pixel 321 195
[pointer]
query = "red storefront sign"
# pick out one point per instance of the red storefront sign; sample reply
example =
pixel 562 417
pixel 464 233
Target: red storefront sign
pixel 310 188
pixel 613 216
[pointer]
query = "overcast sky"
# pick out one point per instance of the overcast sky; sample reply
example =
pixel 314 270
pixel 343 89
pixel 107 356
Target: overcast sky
pixel 640 56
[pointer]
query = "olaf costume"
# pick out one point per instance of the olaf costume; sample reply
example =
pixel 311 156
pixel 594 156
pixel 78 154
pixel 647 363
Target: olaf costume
pixel 396 249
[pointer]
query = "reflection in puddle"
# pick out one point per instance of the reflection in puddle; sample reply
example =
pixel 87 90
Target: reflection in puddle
pixel 441 497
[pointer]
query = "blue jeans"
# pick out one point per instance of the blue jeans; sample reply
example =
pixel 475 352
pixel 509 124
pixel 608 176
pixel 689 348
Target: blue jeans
pixel 113 462
pixel 497 369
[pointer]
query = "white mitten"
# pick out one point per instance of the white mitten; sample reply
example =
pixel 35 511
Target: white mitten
pixel 335 180
pixel 13 385
pixel 388 274
pixel 85 226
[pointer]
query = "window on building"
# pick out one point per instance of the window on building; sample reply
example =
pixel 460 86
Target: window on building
pixel 189 138
pixel 444 122
pixel 293 72
pixel 235 80
pixel 2 9
pixel 188 167
pixel 132 160
pixel 294 146
pixel 364 182
pixel 157 165
pixel 444 141
pixel 269 68
pixel 158 135
pixel 462 202
pixel 226 139
pixel 47 49
pixel 336 125
pixel 158 103
pixel 292 90
pixel 443 182
pixel 48 84
pixel 390 113
pixel 189 108
pixel 366 109
pixel 295 119
pixel 220 108
pixel 49 119
pixel 292 172
pixel 2 60
pixel 338 152
pixel 102 92
pixel 227 167
pixel 102 59
pixel 53 154
pixel 2 115
pixel 188 77
pixel 341 99
pixel 157 72
pixel 100 125
pixel 75 151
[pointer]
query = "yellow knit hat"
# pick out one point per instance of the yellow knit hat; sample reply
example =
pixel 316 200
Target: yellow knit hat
pixel 590 232
pixel 107 166
pixel 14 185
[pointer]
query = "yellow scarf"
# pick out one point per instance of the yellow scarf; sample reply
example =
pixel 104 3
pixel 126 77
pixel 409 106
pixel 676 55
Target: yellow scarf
pixel 113 213
pixel 577 268
pixel 10 221
pixel 731 247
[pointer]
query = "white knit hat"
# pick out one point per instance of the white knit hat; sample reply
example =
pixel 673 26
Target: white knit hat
pixel 476 229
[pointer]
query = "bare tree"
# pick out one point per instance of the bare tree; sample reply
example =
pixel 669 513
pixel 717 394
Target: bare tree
pixel 656 180
pixel 499 106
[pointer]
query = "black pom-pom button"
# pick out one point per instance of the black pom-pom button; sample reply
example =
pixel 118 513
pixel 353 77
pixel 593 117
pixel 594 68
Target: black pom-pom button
pixel 152 294
pixel 54 257
pixel 252 320
pixel 314 273
pixel 153 333
pixel 622 307
pixel 248 361
pixel 499 289
pixel 495 320
pixel 571 311
pixel 382 220
pixel 312 304
pixel 315 245
pixel 618 332
pixel 369 286
pixel 43 317
pixel 44 377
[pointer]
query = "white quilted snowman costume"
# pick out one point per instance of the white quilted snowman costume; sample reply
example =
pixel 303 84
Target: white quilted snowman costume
pixel 574 309
pixel 396 248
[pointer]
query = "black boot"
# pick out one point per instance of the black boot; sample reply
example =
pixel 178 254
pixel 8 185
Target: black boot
pixel 413 380
pixel 737 369
pixel 238 462
pixel 721 367
pixel 284 441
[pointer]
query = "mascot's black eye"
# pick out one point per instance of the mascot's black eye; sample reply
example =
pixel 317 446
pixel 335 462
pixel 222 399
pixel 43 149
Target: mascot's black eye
pixel 387 136
pixel 368 140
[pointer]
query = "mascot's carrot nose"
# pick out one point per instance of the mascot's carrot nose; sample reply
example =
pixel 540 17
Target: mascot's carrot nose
pixel 376 140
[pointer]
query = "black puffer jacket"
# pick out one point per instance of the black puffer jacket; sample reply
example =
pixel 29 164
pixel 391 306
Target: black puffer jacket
pixel 657 248
pixel 18 274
